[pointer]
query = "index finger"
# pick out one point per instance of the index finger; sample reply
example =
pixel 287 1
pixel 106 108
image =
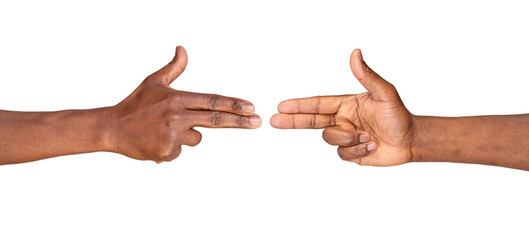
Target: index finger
pixel 314 105
pixel 214 102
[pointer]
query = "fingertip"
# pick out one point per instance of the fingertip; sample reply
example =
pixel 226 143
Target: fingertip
pixel 356 52
pixel 325 133
pixel 286 106
pixel 355 55
pixel 356 62
pixel 247 108
pixel 181 55
pixel 341 152
pixel 273 120
pixel 280 106
pixel 326 136
pixel 179 49
pixel 276 121
pixel 255 121
pixel 359 54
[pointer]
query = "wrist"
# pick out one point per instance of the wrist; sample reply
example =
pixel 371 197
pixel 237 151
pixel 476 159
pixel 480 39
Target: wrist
pixel 417 141
pixel 105 129
pixel 437 139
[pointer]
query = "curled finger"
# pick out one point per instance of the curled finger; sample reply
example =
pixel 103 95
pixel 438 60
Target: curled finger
pixel 357 152
pixel 192 137
pixel 339 136
pixel 169 156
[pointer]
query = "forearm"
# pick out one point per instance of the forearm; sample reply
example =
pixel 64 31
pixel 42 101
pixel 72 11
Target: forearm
pixel 491 140
pixel 29 136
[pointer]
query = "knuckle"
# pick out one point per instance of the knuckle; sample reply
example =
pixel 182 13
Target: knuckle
pixel 216 118
pixel 177 152
pixel 368 69
pixel 325 134
pixel 312 122
pixel 360 151
pixel 179 67
pixel 350 140
pixel 318 105
pixel 168 153
pixel 342 153
pixel 174 98
pixel 242 121
pixel 171 97
pixel 236 105
pixel 213 101
pixel 140 95
pixel 164 153
pixel 172 134
pixel 391 87
pixel 173 118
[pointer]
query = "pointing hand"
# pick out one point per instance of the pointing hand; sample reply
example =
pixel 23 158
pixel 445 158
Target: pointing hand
pixel 371 128
pixel 155 120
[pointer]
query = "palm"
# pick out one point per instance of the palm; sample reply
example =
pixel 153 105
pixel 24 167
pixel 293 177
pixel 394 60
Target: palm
pixel 387 123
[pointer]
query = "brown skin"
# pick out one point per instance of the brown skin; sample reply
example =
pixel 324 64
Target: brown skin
pixel 150 124
pixel 375 128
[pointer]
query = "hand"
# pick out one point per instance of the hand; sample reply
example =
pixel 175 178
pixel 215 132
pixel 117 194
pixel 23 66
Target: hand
pixel 372 128
pixel 155 120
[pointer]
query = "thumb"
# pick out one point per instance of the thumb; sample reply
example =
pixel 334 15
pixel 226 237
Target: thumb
pixel 380 89
pixel 173 69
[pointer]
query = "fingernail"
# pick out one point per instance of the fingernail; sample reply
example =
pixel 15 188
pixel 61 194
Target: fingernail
pixel 371 147
pixel 255 120
pixel 363 138
pixel 248 108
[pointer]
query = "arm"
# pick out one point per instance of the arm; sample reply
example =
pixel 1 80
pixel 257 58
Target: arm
pixel 28 136
pixel 150 124
pixel 375 128
pixel 491 140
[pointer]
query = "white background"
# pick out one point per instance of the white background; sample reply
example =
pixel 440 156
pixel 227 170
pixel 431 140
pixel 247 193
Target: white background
pixel 454 58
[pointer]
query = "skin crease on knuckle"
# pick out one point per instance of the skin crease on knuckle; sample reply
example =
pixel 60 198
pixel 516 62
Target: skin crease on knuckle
pixel 242 121
pixel 216 118
pixel 350 153
pixel 350 139
pixel 236 106
pixel 174 99
pixel 175 119
pixel 213 101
